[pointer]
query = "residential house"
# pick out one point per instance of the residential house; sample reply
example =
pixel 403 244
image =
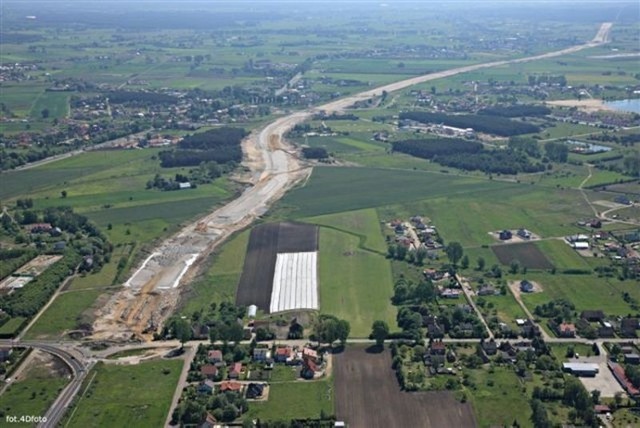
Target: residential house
pixel 309 369
pixel 215 356
pixel 526 286
pixel 450 293
pixel 528 328
pixel 5 353
pixel 283 354
pixel 209 371
pixel 601 409
pixel 566 330
pixel 524 234
pixel 235 370
pixel 206 387
pixel 490 347
pixel 628 327
pixel 209 422
pixel 486 290
pixel 229 385
pixel 632 358
pixel 39 228
pixel 261 354
pixel 310 354
pixel 435 330
pixel 592 316
pixel 505 235
pixel 437 353
pixel 200 331
pixel 254 390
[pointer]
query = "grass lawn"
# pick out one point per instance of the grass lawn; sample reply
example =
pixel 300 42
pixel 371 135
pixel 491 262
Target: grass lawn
pixel 498 399
pixel 584 291
pixel 505 307
pixel 561 255
pixel 559 350
pixel 12 326
pixel 137 395
pixel 364 223
pixel 294 400
pixel 220 281
pixel 31 396
pixel 63 315
pixel 355 284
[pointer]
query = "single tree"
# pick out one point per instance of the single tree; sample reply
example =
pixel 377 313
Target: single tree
pixel 481 263
pixel 464 263
pixel 379 332
pixel 182 330
pixel 454 252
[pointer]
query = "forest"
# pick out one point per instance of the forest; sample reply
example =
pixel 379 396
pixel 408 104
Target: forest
pixel 220 145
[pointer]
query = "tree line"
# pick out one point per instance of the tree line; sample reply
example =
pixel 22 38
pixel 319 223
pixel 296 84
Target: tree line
pixel 516 110
pixel 482 123
pixel 220 145
pixel 469 156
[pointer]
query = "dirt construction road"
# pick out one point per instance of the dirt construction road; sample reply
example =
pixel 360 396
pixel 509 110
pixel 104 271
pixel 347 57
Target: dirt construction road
pixel 151 293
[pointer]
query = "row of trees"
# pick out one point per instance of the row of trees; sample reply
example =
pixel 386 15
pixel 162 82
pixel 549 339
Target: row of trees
pixel 482 123
pixel 219 145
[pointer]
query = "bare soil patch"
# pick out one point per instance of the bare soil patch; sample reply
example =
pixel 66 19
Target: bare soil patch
pixel 368 396
pixel 589 105
pixel 528 255
pixel 265 242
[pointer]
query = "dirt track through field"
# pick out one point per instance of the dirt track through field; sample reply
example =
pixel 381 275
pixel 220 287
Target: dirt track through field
pixel 368 396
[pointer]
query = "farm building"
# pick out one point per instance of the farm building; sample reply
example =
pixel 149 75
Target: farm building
pixel 450 293
pixel 581 369
pixel 623 380
pixel 581 245
pixel 186 185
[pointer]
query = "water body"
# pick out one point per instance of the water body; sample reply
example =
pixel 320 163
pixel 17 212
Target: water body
pixel 632 105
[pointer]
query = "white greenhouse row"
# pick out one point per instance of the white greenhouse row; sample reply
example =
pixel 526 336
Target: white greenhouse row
pixel 295 282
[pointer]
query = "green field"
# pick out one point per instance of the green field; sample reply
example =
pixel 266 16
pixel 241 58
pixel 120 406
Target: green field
pixel 33 395
pixel 332 190
pixel 498 399
pixel 294 400
pixel 220 281
pixel 137 395
pixel 363 223
pixel 66 313
pixel 12 326
pixel 584 291
pixel 561 255
pixel 56 103
pixel 355 284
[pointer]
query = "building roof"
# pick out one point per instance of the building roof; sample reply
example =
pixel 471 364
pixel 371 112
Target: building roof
pixel 286 351
pixel 215 354
pixel 438 345
pixel 209 370
pixel 581 367
pixel 567 327
pixel 230 386
pixel 237 367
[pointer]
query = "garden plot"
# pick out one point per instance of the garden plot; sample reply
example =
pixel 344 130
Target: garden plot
pixel 295 282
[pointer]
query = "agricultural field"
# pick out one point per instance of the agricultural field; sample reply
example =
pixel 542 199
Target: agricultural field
pixel 120 395
pixel 363 223
pixel 561 255
pixel 365 381
pixel 527 254
pixel 266 242
pixel 355 283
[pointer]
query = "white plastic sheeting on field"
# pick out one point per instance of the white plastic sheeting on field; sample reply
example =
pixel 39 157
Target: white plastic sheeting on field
pixel 295 282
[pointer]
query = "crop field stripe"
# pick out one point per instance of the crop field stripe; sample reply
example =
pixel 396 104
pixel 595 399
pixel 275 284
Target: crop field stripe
pixel 258 284
pixel 527 254
pixel 295 283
